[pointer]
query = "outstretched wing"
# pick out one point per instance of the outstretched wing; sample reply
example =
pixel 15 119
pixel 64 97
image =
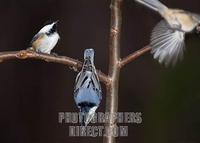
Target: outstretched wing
pixel 167 44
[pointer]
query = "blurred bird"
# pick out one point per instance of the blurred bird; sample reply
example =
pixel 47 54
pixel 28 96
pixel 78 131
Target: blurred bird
pixel 167 39
pixel 46 39
pixel 87 92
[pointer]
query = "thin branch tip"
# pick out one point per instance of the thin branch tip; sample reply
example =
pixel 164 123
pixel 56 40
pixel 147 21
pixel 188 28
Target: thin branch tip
pixel 134 56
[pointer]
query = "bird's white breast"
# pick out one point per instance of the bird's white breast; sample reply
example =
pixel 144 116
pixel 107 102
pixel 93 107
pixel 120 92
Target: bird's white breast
pixel 48 43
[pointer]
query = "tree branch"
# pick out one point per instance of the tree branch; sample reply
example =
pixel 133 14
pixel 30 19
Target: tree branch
pixel 134 56
pixel 114 70
pixel 27 54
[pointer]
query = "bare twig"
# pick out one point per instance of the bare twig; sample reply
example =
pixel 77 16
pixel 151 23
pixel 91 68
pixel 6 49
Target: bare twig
pixel 27 54
pixel 134 56
pixel 114 70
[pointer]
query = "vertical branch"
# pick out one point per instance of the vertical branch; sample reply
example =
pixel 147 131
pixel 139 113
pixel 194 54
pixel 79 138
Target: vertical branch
pixel 114 69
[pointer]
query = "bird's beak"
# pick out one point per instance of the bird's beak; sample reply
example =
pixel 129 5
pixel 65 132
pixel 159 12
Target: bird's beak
pixel 56 21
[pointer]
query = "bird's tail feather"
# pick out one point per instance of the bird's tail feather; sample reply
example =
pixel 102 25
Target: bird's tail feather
pixel 87 114
pixel 85 118
pixel 153 4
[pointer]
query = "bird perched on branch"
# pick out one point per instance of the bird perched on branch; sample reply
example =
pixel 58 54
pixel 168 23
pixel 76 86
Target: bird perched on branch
pixel 46 39
pixel 87 92
pixel 167 38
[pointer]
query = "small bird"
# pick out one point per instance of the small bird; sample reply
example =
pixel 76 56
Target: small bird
pixel 87 91
pixel 167 38
pixel 46 39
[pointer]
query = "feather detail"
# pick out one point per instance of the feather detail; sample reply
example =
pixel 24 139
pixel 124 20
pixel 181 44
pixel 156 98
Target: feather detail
pixel 167 44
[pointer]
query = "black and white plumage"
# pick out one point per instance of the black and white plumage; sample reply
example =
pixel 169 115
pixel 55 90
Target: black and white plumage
pixel 87 92
pixel 167 38
pixel 46 39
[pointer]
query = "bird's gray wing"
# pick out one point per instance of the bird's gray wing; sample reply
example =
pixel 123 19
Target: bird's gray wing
pixel 167 44
pixel 87 80
pixel 96 84
pixel 37 37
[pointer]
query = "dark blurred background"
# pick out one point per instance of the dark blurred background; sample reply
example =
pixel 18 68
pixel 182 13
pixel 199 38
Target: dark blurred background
pixel 33 92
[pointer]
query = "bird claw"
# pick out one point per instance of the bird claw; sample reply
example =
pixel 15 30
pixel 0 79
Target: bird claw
pixel 54 54
pixel 73 68
pixel 30 49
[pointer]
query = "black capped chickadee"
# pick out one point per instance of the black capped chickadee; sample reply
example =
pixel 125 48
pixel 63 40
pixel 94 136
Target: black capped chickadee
pixel 46 39
pixel 87 92
pixel 167 38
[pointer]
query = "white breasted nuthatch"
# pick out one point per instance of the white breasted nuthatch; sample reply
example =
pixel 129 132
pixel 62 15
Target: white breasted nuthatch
pixel 87 92
pixel 46 39
pixel 167 39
